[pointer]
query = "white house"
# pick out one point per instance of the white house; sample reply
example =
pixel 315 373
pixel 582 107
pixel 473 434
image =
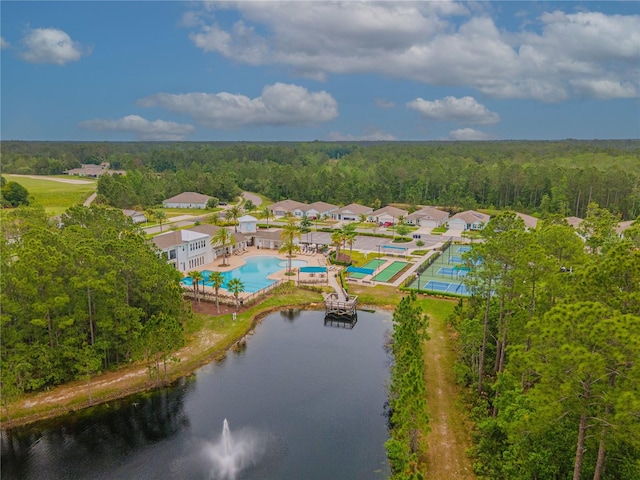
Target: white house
pixel 135 216
pixel 388 214
pixel 469 220
pixel 281 209
pixel 187 200
pixel 247 224
pixel 428 217
pixel 351 212
pixel 320 210
pixel 185 249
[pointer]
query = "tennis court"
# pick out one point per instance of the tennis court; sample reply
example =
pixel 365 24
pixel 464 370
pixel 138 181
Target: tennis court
pixel 388 273
pixel 445 287
pixel 372 265
pixel 455 259
pixel 453 272
pixel 464 249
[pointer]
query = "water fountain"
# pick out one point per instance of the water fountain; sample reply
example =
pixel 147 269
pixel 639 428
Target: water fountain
pixel 232 454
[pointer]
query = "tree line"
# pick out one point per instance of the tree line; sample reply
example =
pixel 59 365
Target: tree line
pixel 82 296
pixel 532 177
pixel 549 346
pixel 408 413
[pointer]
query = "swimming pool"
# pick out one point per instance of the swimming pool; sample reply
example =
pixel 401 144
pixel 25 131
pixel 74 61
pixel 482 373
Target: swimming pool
pixel 253 274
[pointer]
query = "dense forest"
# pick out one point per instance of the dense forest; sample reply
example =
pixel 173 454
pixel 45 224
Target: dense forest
pixel 82 296
pixel 549 347
pixel 532 177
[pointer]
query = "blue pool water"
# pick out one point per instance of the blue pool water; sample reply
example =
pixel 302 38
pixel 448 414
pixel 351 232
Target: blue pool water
pixel 253 274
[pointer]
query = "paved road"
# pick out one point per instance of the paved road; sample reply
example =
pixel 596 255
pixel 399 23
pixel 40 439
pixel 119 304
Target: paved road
pixel 257 201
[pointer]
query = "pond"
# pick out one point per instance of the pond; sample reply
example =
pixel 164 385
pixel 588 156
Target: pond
pixel 303 400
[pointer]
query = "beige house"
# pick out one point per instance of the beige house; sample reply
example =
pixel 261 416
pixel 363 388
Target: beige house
pixel 428 217
pixel 351 212
pixel 469 220
pixel 291 207
pixel 387 214
pixel 320 210
pixel 530 222
pixel 187 200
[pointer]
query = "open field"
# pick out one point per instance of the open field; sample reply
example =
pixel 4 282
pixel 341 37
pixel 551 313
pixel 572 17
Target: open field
pixel 55 194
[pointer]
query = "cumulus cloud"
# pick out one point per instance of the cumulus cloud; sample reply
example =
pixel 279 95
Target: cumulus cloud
pixel 3 43
pixel 439 43
pixel 371 134
pixel 279 105
pixel 469 134
pixel 142 128
pixel 465 110
pixel 51 45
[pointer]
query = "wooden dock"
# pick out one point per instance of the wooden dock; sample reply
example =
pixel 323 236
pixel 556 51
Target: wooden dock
pixel 339 306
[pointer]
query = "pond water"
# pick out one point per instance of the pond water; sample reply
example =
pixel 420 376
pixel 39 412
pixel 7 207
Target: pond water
pixel 302 400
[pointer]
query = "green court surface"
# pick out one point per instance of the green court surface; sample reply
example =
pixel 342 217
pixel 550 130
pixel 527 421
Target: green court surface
pixel 373 265
pixel 390 271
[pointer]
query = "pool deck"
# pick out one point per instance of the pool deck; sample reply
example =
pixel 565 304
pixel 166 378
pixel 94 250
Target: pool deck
pixel 236 261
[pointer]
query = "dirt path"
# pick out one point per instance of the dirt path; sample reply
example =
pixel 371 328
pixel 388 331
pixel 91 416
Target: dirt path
pixel 449 438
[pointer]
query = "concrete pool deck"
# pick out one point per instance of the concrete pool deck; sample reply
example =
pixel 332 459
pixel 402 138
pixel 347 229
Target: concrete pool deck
pixel 236 261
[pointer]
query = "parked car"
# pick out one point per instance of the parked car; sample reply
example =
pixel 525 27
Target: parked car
pixel 387 224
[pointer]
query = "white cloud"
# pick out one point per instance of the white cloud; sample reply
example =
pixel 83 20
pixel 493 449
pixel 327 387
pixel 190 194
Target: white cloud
pixel 51 45
pixel 371 134
pixel 427 42
pixel 280 104
pixel 142 128
pixel 605 89
pixel 465 110
pixel 3 43
pixel 382 103
pixel 468 134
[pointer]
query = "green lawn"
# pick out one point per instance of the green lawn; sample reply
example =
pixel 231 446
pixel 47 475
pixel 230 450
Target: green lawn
pixel 54 196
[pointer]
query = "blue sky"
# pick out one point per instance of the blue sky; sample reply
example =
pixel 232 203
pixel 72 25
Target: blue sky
pixel 319 70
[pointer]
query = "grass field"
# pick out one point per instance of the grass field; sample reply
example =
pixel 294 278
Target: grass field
pixel 54 196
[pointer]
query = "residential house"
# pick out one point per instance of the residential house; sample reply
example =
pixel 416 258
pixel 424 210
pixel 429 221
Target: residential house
pixel 469 220
pixel 531 223
pixel 187 200
pixel 185 249
pixel 319 210
pixel 351 212
pixel 428 217
pixel 288 207
pixel 135 216
pixel 388 214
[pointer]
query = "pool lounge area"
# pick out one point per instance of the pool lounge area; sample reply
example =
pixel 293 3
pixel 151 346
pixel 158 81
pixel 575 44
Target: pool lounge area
pixel 254 273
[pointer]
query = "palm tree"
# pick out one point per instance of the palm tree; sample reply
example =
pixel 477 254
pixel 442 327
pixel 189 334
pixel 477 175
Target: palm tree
pixel 289 247
pixel 223 237
pixel 336 238
pixel 350 239
pixel 289 233
pixel 196 276
pixel 236 286
pixel 159 216
pixel 266 213
pixel 216 280
pixel 232 215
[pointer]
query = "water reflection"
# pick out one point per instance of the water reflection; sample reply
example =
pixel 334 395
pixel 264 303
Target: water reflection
pixel 311 397
pixel 106 431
